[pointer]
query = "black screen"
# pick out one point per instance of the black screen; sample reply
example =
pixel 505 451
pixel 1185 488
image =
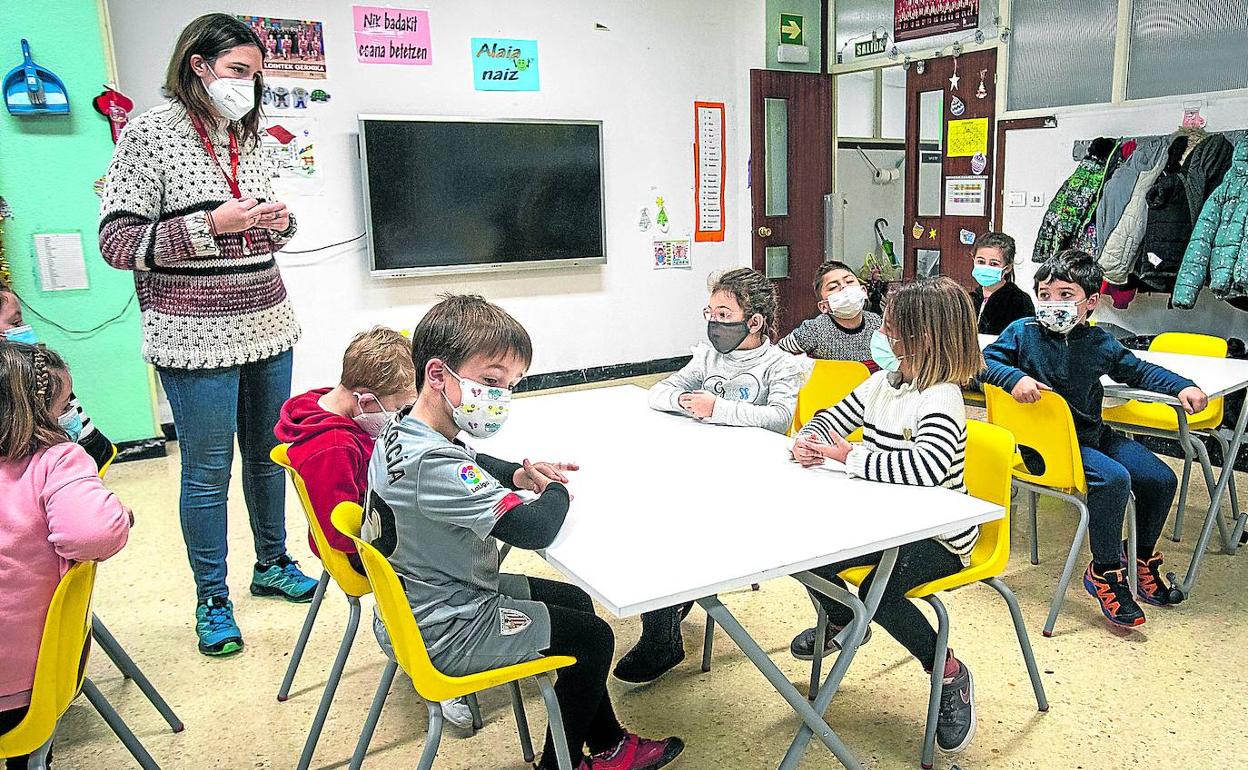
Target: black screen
pixel 461 193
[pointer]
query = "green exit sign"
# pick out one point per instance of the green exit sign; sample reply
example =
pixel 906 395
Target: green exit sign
pixel 868 47
pixel 791 28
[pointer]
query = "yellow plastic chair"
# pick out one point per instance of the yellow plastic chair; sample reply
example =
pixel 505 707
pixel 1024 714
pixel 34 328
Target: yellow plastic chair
pixel 830 381
pixel 1136 417
pixel 1047 427
pixel 430 684
pixel 60 674
pixel 122 660
pixel 989 462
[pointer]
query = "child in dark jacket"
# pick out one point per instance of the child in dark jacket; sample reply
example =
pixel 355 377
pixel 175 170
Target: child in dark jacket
pixel 1059 351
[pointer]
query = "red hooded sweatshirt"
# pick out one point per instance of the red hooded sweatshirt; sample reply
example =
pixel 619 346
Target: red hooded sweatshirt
pixel 330 453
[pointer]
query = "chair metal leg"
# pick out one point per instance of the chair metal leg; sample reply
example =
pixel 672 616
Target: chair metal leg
pixel 821 640
pixel 1211 483
pixel 938 681
pixel 1024 642
pixel 557 735
pixel 1035 531
pixel 474 707
pixel 434 737
pixel 502 552
pixel 374 714
pixel 522 723
pixel 296 655
pixel 1076 547
pixel 1133 547
pixel 1228 466
pixel 331 685
pixel 39 757
pixel 130 670
pixel 708 644
pixel 118 725
pixel 1187 478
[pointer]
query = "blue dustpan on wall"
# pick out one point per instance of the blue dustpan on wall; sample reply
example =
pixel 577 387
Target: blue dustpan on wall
pixel 33 90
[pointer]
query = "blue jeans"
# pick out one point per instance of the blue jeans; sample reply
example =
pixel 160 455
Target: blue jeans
pixel 209 407
pixel 1115 468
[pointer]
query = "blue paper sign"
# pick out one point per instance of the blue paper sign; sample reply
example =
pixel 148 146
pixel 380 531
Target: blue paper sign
pixel 499 64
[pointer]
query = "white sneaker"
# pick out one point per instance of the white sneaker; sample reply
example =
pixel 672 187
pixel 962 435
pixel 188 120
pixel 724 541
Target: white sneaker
pixel 456 712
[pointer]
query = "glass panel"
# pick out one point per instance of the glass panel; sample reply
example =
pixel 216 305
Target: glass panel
pixel 855 105
pixel 776 150
pixel 776 261
pixel 857 19
pixel 1062 52
pixel 893 104
pixel 1186 47
pixel 927 263
pixel 931 134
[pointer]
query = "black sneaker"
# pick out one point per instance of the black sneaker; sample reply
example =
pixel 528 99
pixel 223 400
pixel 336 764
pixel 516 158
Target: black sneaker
pixel 955 727
pixel 649 660
pixel 803 645
pixel 1113 594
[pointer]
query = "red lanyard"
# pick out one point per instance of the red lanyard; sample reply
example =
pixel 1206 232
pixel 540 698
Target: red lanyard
pixel 231 177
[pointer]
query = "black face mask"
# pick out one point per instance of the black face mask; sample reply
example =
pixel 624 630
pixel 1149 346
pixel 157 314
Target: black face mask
pixel 726 336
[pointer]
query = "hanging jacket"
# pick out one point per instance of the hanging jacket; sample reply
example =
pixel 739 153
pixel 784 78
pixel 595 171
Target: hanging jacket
pixel 1067 220
pixel 1120 187
pixel 1203 171
pixel 1122 246
pixel 1218 253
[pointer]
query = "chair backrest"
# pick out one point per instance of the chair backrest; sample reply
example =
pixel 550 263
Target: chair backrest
pixel 1045 427
pixel 61 665
pixel 1194 345
pixel 393 607
pixel 112 456
pixel 989 472
pixel 829 382
pixel 336 563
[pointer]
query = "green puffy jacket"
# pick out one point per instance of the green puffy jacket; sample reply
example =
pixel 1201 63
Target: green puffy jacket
pixel 1218 253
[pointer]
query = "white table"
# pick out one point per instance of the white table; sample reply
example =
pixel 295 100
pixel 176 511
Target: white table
pixel 669 510
pixel 1217 377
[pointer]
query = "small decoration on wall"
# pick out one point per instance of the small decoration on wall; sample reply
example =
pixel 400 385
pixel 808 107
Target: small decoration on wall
pixel 501 64
pixel 661 218
pixel 288 145
pixel 979 162
pixel 954 79
pixel 644 224
pixel 931 233
pixel 966 236
pixel 300 98
pixel 671 252
pixel 956 106
pixel 981 92
pixel 1192 117
pixel 115 106
pixel 319 95
pixel 281 98
pixel 293 48
pixel 917 230
pixel 391 36
pixel 98 186
pixel 6 272
pixel 708 170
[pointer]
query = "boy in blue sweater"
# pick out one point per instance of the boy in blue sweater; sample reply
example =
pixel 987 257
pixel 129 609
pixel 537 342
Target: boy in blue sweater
pixel 1057 350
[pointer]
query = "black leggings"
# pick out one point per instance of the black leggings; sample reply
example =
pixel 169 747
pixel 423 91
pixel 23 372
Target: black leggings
pixel 9 720
pixel 917 563
pixel 575 630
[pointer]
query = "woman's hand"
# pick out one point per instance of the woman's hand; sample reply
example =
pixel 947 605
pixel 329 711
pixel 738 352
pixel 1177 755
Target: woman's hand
pixel 233 216
pixel 273 216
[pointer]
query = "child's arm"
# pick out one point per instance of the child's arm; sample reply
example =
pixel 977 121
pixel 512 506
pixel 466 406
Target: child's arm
pixel 785 378
pixel 86 522
pixel 528 476
pixel 1128 369
pixel 331 476
pixel 665 395
pixel 800 340
pixel 1001 359
pixel 939 437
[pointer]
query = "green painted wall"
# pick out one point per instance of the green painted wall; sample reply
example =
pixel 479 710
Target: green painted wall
pixel 48 166
pixel 812 32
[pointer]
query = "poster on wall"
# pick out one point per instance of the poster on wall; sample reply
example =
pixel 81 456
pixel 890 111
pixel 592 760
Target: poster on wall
pixel 287 143
pixel 500 64
pixel 294 48
pixel 966 196
pixel 708 170
pixel 671 253
pixel 914 19
pixel 391 35
pixel 967 138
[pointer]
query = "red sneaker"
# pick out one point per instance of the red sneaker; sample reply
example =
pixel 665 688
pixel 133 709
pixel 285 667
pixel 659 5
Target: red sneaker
pixel 636 753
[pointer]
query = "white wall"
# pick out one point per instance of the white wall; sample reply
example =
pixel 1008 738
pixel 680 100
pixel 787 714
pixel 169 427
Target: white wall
pixel 640 78
pixel 1039 160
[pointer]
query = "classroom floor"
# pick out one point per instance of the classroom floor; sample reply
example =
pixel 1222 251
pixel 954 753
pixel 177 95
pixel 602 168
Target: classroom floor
pixel 1170 694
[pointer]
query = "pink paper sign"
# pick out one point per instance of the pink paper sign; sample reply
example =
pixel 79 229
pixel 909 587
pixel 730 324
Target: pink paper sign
pixel 391 35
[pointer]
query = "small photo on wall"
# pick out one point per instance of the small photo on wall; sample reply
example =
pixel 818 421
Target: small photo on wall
pixel 293 48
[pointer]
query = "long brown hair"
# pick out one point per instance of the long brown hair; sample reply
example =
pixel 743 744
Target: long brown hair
pixel 210 36
pixel 935 321
pixel 28 386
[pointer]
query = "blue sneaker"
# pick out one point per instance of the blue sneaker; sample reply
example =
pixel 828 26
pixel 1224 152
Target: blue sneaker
pixel 214 623
pixel 282 578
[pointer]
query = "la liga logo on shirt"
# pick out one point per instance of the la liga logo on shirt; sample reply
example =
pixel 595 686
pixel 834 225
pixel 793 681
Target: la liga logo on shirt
pixel 471 477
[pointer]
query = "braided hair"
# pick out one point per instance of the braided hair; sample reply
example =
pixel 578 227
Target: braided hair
pixel 30 378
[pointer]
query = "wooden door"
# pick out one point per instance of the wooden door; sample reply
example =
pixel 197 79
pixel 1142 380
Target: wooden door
pixel 790 175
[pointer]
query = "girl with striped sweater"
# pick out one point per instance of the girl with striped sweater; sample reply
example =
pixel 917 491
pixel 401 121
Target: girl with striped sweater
pixel 914 432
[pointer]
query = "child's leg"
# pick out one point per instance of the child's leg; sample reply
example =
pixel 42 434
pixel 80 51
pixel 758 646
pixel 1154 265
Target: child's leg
pixel 659 649
pixel 1109 488
pixel 1153 483
pixel 917 563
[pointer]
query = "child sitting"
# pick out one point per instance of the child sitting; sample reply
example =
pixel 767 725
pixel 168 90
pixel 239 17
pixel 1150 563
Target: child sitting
pixel 914 432
pixel 437 510
pixel 54 511
pixel 842 330
pixel 998 300
pixel 740 378
pixel 1058 350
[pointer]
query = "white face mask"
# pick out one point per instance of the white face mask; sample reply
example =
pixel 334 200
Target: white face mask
pixel 233 97
pixel 482 409
pixel 847 302
pixel 1058 316
pixel 372 423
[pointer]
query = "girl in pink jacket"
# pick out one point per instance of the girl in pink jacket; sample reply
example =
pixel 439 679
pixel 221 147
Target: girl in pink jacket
pixel 54 510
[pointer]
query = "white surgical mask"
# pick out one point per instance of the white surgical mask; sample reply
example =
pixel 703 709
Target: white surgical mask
pixel 1058 316
pixel 847 302
pixel 233 97
pixel 482 409
pixel 372 423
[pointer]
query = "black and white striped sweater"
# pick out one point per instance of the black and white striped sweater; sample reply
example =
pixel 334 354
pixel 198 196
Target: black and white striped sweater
pixel 910 436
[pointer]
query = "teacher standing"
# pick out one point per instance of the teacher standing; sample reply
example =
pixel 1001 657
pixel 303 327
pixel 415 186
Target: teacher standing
pixel 188 208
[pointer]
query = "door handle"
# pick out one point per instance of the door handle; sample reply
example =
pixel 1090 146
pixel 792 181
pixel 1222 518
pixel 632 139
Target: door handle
pixel 764 231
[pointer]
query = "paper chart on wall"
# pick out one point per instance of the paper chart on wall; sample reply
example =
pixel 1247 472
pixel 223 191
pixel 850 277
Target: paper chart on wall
pixel 708 151
pixel 966 196
pixel 60 261
pixel 967 137
pixel 288 145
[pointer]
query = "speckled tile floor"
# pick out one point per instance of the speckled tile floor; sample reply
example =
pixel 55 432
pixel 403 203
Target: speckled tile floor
pixel 1171 694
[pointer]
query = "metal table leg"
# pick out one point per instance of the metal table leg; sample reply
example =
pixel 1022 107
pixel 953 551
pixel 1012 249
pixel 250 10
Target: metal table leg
pixel 1213 516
